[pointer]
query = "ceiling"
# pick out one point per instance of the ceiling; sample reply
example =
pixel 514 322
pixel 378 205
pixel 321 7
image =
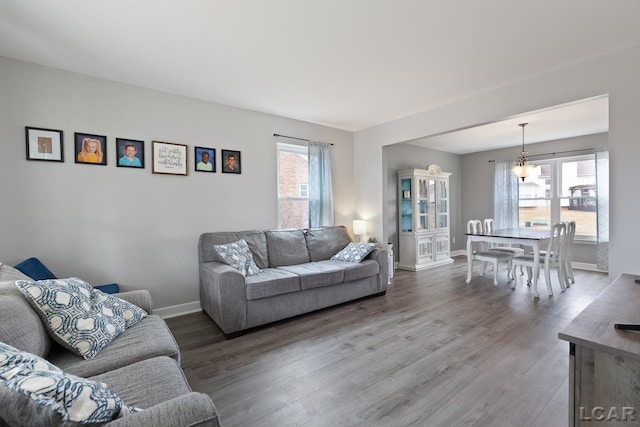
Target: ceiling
pixel 345 64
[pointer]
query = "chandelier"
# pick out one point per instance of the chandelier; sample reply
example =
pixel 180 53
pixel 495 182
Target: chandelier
pixel 521 168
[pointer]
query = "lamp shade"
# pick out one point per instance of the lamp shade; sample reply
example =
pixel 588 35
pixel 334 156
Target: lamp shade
pixel 359 227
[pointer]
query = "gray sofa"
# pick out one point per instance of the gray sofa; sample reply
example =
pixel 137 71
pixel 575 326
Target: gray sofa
pixel 297 276
pixel 142 366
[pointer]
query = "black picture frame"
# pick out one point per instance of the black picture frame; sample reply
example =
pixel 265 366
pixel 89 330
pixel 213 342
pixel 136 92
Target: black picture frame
pixel 199 163
pixel 84 143
pixel 122 160
pixel 44 144
pixel 226 164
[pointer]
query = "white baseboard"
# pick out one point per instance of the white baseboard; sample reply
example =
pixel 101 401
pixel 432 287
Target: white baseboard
pixel 585 266
pixel 459 252
pixel 178 310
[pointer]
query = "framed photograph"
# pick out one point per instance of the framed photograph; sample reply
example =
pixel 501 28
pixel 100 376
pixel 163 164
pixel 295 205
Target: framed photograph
pixel 129 153
pixel 44 144
pixel 205 159
pixel 231 161
pixel 90 149
pixel 169 158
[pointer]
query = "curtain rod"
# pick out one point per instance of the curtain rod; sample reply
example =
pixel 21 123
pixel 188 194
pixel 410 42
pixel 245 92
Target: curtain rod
pixel 557 152
pixel 293 137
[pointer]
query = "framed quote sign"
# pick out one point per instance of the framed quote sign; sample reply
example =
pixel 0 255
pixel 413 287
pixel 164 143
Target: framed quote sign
pixel 169 158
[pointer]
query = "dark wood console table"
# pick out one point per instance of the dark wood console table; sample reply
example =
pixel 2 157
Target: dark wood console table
pixel 604 362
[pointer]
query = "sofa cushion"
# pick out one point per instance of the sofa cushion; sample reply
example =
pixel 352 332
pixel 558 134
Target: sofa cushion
pixel 35 392
pixel 238 255
pixel 80 318
pixel 354 252
pixel 150 338
pixel 9 273
pixel 18 317
pixel 356 271
pixel 325 242
pixel 147 382
pixel 255 239
pixel 316 274
pixel 270 282
pixel 286 247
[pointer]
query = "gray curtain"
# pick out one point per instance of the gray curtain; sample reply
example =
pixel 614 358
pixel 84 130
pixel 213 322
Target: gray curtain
pixel 602 192
pixel 505 196
pixel 320 190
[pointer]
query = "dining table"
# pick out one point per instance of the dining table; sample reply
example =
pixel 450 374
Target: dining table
pixel 533 238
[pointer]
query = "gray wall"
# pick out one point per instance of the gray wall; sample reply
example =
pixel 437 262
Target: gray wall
pixel 109 224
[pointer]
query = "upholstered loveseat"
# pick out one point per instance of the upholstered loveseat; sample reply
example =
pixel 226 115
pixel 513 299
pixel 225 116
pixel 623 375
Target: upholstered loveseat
pixel 297 275
pixel 141 366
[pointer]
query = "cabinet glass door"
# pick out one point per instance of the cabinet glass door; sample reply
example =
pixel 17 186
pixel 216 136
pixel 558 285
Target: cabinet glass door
pixel 423 208
pixel 443 204
pixel 405 205
pixel 432 203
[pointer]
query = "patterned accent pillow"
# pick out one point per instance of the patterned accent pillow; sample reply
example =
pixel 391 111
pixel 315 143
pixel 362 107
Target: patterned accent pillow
pixel 238 255
pixel 71 398
pixel 354 252
pixel 81 319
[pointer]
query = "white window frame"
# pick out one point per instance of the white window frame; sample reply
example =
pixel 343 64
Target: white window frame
pixel 555 199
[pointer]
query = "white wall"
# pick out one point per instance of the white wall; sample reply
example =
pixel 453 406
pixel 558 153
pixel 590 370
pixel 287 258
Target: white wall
pixel 109 224
pixel 615 74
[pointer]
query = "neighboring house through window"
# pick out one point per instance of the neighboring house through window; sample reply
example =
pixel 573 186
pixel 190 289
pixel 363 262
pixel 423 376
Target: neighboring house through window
pixel 293 186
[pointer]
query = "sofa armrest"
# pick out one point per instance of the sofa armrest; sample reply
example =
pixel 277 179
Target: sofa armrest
pixel 140 297
pixel 381 256
pixel 192 409
pixel 223 296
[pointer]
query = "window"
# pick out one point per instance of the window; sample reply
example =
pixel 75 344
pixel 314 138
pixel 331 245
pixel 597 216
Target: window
pixel 293 187
pixel 561 190
pixel 304 190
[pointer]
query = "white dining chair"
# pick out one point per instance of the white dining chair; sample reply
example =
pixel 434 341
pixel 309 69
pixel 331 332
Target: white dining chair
pixel 567 253
pixel 481 253
pixel 489 227
pixel 550 258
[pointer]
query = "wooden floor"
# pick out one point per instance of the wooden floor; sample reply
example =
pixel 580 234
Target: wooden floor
pixel 434 351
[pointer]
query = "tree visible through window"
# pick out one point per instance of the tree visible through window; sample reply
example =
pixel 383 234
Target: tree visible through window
pixel 293 186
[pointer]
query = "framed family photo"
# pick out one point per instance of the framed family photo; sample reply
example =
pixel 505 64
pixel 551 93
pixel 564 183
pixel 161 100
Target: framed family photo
pixel 168 158
pixel 129 153
pixel 205 159
pixel 44 144
pixel 90 149
pixel 231 161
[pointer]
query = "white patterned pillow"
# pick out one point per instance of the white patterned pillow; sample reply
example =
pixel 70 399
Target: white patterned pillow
pixel 70 398
pixel 81 319
pixel 238 255
pixel 354 252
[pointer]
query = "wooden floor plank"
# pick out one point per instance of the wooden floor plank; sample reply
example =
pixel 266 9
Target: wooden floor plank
pixel 433 351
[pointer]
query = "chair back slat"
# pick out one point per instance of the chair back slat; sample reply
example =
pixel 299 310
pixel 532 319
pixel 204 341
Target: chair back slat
pixel 554 246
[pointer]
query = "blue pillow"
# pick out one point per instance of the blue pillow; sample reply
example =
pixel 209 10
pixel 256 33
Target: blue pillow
pixel 33 268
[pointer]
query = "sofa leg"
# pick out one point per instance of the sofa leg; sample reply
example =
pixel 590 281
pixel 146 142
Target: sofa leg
pixel 236 334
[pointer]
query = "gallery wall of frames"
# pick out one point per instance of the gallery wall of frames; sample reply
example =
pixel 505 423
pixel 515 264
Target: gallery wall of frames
pixel 91 149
